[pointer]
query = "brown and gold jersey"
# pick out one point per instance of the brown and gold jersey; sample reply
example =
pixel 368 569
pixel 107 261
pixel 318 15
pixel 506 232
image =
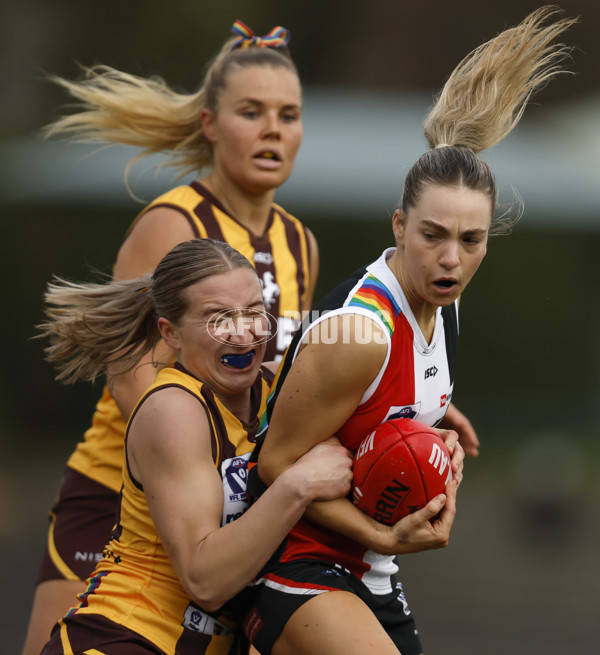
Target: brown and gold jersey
pixel 281 257
pixel 135 584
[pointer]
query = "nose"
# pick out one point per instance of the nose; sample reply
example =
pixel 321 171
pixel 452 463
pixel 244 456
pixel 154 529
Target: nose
pixel 272 128
pixel 450 255
pixel 242 333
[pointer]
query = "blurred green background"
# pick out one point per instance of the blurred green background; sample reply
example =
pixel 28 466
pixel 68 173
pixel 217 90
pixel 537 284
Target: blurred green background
pixel 521 574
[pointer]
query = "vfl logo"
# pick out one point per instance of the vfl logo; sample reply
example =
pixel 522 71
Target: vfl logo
pixel 439 461
pixel 431 372
pixel 198 621
pixel 237 475
pixel 270 289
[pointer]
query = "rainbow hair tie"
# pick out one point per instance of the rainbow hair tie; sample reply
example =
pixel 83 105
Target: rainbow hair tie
pixel 278 37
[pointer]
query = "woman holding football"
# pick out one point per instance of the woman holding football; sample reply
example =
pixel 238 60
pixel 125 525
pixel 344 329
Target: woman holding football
pixel 365 356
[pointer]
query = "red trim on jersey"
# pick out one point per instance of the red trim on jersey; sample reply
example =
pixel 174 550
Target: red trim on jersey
pixel 396 388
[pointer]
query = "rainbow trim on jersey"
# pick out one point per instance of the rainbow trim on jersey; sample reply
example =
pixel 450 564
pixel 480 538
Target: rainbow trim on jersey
pixel 375 296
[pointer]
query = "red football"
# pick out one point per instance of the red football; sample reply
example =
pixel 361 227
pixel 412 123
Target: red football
pixel 398 468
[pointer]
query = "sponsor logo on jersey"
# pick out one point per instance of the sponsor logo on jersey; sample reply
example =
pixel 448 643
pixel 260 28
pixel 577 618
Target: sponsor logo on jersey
pixel 87 557
pixel 265 258
pixel 431 372
pixel 443 400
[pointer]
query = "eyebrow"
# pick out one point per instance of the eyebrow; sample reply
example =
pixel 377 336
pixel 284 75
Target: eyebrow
pixel 260 103
pixel 214 309
pixel 441 228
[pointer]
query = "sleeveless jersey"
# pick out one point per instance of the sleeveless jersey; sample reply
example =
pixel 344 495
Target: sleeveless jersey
pixel 415 381
pixel 281 257
pixel 135 584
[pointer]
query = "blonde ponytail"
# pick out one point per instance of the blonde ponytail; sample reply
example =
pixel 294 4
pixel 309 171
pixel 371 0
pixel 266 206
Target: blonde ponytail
pixel 482 101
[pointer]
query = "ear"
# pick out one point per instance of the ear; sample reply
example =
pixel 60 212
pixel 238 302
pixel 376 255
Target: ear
pixel 208 120
pixel 398 222
pixel 169 333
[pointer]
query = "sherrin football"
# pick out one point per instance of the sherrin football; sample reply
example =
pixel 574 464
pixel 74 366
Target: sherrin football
pixel 398 468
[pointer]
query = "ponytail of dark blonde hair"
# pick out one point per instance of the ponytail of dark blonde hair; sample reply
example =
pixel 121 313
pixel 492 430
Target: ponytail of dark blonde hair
pixel 483 100
pixel 93 326
pixel 120 108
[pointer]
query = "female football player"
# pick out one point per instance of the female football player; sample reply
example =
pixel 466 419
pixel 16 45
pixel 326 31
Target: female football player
pixel 185 541
pixel 384 345
pixel 244 125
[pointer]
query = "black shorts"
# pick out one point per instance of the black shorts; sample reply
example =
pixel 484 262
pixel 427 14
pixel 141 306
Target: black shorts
pixel 270 602
pixel 81 523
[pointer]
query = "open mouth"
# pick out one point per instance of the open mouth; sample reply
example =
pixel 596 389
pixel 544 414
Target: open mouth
pixel 238 361
pixel 445 284
pixel 268 155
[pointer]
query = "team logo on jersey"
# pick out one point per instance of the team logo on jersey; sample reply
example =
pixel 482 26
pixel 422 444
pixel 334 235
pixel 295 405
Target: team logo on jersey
pixel 270 289
pixel 265 258
pixel 399 411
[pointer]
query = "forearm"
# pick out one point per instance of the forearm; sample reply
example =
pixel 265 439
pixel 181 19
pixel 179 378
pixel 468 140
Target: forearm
pixel 223 563
pixel 343 517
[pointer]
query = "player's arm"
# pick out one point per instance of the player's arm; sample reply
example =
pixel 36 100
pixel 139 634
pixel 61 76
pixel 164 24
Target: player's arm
pixel 313 265
pixel 467 437
pixel 321 391
pixel 169 450
pixel 157 231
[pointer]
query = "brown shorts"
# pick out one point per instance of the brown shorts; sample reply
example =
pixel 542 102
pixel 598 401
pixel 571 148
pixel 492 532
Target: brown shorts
pixel 82 633
pixel 81 523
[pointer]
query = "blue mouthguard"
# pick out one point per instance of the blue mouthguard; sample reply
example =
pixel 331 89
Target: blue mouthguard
pixel 238 361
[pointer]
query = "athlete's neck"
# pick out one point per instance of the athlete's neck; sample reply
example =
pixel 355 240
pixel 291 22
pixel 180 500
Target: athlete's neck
pixel 424 312
pixel 251 210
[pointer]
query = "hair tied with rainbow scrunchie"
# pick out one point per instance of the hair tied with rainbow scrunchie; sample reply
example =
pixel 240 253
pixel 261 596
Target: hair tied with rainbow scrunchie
pixel 278 37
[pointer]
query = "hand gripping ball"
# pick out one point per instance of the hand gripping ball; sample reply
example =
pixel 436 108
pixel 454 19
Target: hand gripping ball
pixel 398 469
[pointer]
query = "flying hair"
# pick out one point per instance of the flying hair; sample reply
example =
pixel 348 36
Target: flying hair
pixel 486 94
pixel 91 327
pixel 114 107
pixel 481 102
